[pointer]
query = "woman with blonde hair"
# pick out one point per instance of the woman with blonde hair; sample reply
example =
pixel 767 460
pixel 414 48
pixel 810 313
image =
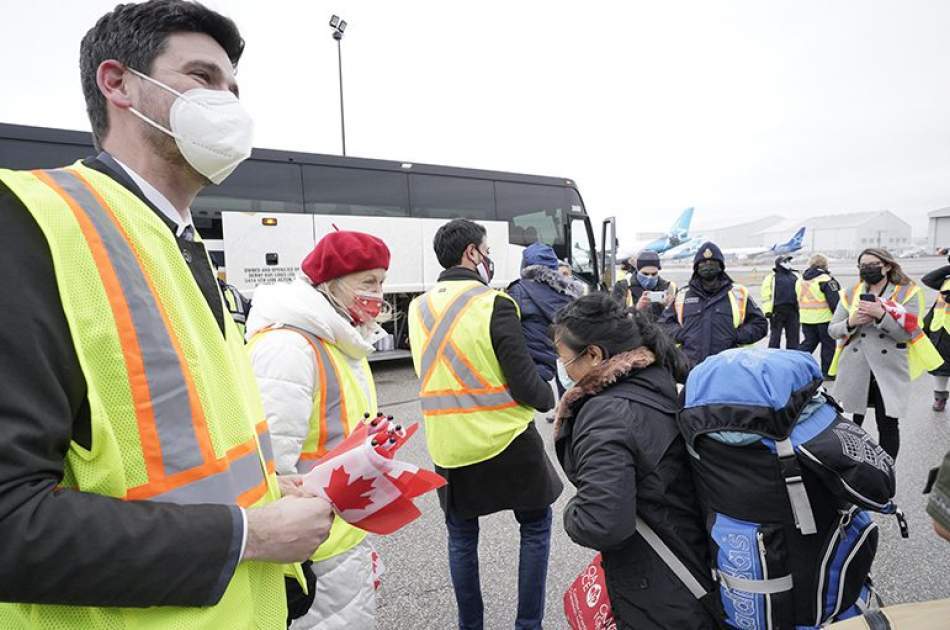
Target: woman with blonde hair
pixel 881 346
pixel 818 296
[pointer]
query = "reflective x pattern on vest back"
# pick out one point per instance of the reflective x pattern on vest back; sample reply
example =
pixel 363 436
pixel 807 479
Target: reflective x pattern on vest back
pixel 477 393
pixel 176 447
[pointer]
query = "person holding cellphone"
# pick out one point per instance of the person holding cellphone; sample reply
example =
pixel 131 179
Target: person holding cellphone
pixel 881 347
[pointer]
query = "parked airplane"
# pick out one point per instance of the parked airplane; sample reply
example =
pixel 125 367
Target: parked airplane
pixel 677 235
pixel 790 246
pixel 685 250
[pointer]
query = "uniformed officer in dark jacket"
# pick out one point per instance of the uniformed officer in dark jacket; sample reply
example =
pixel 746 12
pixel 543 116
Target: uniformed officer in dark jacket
pixel 780 303
pixel 618 442
pixel 645 281
pixel 712 313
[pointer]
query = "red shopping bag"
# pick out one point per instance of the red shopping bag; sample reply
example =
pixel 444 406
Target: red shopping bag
pixel 586 603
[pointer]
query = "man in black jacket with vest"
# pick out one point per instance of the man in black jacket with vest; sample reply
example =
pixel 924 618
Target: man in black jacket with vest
pixel 712 313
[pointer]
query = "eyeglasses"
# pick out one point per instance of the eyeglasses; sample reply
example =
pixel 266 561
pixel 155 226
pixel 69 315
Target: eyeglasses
pixel 870 266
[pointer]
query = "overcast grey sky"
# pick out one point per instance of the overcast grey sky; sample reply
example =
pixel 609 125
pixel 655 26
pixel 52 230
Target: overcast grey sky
pixel 739 108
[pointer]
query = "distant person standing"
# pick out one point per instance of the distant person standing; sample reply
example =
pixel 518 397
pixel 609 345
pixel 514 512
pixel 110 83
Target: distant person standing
pixel 712 313
pixel 643 287
pixel 818 296
pixel 937 327
pixel 780 303
pixel 881 347
pixel 539 293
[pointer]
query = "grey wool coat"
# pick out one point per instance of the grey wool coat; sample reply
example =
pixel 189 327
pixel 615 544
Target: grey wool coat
pixel 880 348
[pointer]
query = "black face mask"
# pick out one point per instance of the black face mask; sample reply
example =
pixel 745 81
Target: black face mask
pixel 708 272
pixel 871 275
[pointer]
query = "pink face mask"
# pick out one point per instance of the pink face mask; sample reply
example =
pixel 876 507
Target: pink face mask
pixel 366 306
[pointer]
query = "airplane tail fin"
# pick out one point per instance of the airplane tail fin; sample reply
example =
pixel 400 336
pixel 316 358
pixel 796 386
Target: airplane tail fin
pixel 681 227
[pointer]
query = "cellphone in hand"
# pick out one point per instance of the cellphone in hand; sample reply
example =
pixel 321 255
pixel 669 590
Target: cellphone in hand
pixel 657 296
pixel 868 297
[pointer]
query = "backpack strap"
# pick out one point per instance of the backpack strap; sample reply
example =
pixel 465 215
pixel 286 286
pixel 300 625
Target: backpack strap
pixel 797 494
pixel 670 559
pixel 760 587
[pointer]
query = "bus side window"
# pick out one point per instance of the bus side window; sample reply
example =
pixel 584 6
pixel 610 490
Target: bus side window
pixel 441 197
pixel 355 191
pixel 534 212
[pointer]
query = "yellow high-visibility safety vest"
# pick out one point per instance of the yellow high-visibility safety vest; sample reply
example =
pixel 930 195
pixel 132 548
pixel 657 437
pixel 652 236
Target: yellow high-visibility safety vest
pixel 339 404
pixel 766 290
pixel 921 354
pixel 812 305
pixel 175 411
pixel 941 315
pixel 468 410
pixel 738 299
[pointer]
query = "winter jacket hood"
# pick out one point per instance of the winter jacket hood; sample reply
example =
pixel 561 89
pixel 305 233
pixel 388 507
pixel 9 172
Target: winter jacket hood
pixel 813 272
pixel 298 304
pixel 539 254
pixel 552 279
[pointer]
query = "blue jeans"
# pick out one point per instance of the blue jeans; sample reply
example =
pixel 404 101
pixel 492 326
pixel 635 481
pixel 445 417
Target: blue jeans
pixel 532 568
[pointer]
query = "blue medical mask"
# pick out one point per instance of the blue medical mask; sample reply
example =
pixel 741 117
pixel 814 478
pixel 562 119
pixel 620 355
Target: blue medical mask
pixel 647 282
pixel 566 381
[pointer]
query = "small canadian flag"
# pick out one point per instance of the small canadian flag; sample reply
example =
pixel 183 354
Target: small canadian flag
pixel 367 487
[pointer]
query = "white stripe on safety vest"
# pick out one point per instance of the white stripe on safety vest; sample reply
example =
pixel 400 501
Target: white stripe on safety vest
pixel 242 475
pixel 331 397
pixel 439 329
pixel 168 392
pixel 465 375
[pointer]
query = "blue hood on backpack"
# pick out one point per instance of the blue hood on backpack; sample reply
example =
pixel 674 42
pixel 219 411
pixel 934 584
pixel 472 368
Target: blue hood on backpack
pixel 750 390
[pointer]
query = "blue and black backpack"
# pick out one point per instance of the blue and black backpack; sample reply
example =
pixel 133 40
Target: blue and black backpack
pixel 785 482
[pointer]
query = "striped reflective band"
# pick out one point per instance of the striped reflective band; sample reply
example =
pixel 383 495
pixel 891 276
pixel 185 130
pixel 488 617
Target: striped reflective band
pixel 332 407
pixel 176 447
pixel 761 587
pixel 463 371
pixel 477 393
pixel 242 479
pixel 160 367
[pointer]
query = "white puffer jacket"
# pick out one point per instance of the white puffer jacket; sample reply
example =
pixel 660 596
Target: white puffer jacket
pixel 284 362
pixel 285 366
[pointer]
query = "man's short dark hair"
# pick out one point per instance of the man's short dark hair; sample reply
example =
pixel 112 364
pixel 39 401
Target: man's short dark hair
pixel 453 238
pixel 135 34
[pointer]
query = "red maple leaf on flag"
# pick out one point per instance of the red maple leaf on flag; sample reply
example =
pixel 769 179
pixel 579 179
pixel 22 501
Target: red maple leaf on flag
pixel 346 495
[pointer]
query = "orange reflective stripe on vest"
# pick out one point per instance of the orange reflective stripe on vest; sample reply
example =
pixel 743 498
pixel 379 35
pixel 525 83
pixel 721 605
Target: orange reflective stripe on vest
pixel 478 394
pixel 332 406
pixel 176 446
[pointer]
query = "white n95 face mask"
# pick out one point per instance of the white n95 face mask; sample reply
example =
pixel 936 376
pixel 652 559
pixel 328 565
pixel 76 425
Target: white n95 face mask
pixel 212 129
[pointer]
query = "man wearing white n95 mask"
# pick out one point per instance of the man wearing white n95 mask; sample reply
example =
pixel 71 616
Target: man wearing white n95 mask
pixel 137 486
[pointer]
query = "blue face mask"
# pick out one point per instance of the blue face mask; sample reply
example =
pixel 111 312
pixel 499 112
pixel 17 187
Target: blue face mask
pixel 647 282
pixel 566 381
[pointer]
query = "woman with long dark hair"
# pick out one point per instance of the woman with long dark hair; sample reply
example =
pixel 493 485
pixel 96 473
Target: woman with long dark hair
pixel 618 442
pixel 881 346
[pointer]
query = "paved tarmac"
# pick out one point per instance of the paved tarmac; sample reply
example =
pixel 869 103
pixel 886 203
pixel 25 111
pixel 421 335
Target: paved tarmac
pixel 417 593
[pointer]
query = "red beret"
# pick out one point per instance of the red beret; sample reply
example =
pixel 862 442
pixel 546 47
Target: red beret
pixel 341 253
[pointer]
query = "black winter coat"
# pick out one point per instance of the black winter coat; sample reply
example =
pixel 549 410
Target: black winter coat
pixel 940 338
pixel 539 294
pixel 620 446
pixel 707 327
pixel 630 286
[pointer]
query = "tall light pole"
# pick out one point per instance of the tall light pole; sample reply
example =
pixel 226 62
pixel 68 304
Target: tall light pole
pixel 338 26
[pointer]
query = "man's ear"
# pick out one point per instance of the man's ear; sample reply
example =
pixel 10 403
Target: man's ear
pixel 596 354
pixel 112 79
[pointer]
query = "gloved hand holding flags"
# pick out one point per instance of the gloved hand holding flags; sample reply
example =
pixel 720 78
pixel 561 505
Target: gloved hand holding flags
pixel 367 487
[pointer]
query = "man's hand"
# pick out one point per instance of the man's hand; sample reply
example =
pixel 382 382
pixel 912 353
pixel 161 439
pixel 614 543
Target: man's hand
pixel 644 302
pixel 287 530
pixel 292 486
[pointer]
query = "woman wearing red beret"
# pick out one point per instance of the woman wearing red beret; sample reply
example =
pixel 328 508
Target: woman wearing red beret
pixel 309 341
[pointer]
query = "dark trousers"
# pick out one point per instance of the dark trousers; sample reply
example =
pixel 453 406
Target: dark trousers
pixel 784 318
pixel 816 334
pixel 532 568
pixel 888 433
